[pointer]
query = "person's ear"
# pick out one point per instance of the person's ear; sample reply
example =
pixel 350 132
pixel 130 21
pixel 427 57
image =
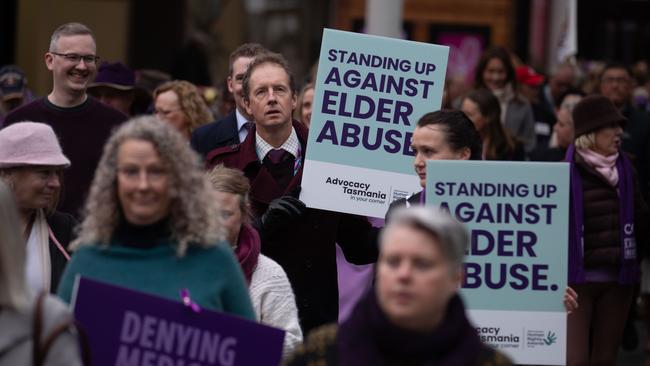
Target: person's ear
pixel 229 82
pixel 465 154
pixel 49 60
pixel 459 277
pixel 247 105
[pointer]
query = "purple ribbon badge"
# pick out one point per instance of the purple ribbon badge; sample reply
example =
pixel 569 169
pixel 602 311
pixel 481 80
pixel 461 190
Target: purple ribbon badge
pixel 187 301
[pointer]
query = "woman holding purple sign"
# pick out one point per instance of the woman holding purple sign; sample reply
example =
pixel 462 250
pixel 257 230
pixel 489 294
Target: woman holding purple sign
pixel 150 224
pixel 607 223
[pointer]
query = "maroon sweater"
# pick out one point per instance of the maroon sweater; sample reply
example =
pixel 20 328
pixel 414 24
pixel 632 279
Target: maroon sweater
pixel 82 132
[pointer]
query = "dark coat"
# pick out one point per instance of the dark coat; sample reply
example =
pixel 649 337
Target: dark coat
pixel 320 348
pixel 602 241
pixel 636 141
pixel 413 200
pixel 306 250
pixel 549 154
pixel 62 226
pixel 215 134
pixel 544 115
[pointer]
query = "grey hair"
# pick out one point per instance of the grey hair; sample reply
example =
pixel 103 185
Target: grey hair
pixel 437 223
pixel 70 29
pixel 193 213
pixel 13 294
pixel 586 141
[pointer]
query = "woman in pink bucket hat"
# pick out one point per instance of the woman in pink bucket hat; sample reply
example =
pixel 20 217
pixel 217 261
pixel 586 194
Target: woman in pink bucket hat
pixel 31 162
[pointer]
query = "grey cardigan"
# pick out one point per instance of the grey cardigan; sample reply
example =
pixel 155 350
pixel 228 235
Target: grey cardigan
pixel 16 335
pixel 520 122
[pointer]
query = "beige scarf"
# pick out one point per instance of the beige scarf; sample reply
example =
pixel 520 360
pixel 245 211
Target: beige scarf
pixel 38 267
pixel 504 95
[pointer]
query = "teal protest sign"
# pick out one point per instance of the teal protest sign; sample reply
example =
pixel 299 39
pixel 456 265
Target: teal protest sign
pixel 370 92
pixel 516 265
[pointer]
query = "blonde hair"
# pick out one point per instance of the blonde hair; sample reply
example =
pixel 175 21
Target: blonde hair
pixel 232 181
pixel 586 141
pixel 193 212
pixel 190 101
pixel 297 114
pixel 12 253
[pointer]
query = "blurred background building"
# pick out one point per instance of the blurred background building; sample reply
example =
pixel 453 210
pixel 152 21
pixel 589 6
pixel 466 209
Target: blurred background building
pixel 191 39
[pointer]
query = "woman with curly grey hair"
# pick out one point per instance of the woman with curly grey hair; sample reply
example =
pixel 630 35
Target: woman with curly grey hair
pixel 150 217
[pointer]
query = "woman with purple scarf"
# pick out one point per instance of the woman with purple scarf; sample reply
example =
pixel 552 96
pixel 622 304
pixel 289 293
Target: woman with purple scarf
pixel 413 315
pixel 269 288
pixel 606 207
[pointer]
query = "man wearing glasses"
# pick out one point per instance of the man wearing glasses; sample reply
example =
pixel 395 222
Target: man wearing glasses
pixel 616 84
pixel 82 123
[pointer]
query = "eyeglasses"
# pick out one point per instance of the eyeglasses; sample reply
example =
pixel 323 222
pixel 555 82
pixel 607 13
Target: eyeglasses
pixel 617 80
pixel 152 174
pixel 75 58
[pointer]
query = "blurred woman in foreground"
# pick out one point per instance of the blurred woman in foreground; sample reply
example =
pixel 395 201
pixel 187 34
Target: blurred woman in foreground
pixel 20 309
pixel 150 223
pixel 414 314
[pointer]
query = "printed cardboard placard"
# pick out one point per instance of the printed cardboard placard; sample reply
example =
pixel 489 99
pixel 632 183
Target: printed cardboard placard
pixel 516 265
pixel 370 92
pixel 130 328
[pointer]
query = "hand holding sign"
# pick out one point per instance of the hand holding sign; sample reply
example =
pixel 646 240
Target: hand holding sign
pixel 370 91
pixel 282 212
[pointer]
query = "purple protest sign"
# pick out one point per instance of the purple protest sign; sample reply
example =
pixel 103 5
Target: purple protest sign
pixel 130 328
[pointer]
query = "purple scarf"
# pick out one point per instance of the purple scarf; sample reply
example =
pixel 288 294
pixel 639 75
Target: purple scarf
pixel 369 338
pixel 629 272
pixel 248 250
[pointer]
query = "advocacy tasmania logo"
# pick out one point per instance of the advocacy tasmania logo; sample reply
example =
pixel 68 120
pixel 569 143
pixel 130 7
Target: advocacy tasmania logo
pixel 359 191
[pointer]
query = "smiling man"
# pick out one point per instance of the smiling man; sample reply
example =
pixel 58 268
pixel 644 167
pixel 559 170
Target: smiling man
pixel 82 123
pixel 300 239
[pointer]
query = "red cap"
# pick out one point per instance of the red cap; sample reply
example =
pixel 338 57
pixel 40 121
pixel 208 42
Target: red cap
pixel 526 75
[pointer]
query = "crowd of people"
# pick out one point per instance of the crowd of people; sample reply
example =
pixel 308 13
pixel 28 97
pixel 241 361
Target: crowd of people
pixel 134 180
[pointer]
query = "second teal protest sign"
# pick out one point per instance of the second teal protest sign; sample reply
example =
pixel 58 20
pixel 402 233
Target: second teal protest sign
pixel 516 265
pixel 370 92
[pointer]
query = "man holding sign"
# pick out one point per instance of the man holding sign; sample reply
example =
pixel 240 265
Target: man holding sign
pixel 370 92
pixel 301 240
